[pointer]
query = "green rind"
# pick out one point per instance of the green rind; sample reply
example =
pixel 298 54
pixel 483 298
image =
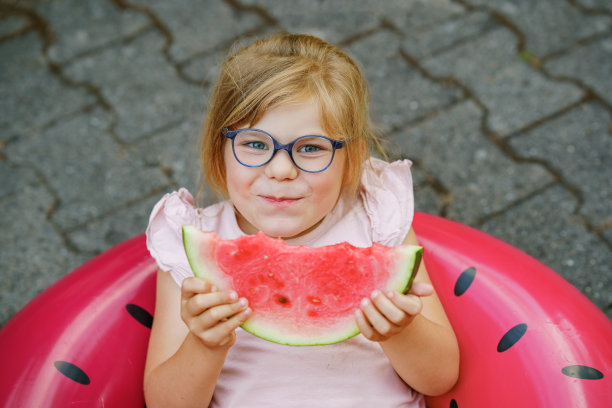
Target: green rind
pixel 410 259
pixel 192 241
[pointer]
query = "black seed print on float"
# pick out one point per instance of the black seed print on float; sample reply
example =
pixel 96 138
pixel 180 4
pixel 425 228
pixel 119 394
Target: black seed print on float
pixel 582 372
pixel 464 281
pixel 511 337
pixel 142 316
pixel 71 371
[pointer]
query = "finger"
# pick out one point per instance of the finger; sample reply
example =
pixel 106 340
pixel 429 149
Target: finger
pixel 388 309
pixel 193 285
pixel 410 304
pixel 364 326
pixel 376 319
pixel 421 289
pixel 223 333
pixel 221 313
pixel 201 302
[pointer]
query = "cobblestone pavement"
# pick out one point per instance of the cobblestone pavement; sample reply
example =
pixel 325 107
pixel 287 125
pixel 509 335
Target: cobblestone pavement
pixel 504 106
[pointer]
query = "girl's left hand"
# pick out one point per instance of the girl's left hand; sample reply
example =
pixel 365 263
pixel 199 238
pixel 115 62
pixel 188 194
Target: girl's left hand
pixel 384 315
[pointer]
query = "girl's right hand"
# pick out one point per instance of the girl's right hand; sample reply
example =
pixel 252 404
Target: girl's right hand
pixel 211 315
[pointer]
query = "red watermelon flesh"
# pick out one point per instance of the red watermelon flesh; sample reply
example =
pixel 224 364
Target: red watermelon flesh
pixel 300 295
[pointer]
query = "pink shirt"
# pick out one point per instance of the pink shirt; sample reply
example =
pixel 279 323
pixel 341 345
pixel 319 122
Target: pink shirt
pixel 258 373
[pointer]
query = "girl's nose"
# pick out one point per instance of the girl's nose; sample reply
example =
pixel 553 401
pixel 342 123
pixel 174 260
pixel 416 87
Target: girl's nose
pixel 281 167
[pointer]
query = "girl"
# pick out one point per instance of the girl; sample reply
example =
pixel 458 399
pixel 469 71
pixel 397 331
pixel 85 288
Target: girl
pixel 286 141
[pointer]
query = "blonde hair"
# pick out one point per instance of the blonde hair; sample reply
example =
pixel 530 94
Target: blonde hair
pixel 287 68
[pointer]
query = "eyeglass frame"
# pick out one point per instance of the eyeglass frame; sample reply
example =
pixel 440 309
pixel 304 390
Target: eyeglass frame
pixel 231 134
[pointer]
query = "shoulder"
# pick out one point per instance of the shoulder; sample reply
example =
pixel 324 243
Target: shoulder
pixel 388 200
pixel 164 232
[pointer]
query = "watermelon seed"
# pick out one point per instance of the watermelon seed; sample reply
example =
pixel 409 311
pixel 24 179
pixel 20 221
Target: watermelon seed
pixel 282 299
pixel 314 300
pixel 142 316
pixel 72 371
pixel 464 281
pixel 511 337
pixel 582 372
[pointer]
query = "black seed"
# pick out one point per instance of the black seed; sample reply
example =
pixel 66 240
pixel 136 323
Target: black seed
pixel 464 281
pixel 453 404
pixel 511 337
pixel 71 371
pixel 582 372
pixel 142 316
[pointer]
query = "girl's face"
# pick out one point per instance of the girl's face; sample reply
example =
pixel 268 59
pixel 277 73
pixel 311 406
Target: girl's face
pixel 278 198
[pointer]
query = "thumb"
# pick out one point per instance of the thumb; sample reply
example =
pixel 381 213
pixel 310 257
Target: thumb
pixel 421 289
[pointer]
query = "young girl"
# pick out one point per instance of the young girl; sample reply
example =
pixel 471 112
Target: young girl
pixel 286 141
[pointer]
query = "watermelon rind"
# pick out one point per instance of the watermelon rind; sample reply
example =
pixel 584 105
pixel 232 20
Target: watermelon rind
pixel 196 241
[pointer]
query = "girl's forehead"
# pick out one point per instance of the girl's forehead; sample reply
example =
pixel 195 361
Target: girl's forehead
pixel 292 118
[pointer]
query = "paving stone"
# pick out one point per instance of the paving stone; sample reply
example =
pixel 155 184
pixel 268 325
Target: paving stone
pixel 15 178
pixel 102 234
pixel 338 20
pixel 176 152
pixel 417 14
pixel 32 255
pixel 399 92
pixel 30 95
pixel 89 24
pixel 607 234
pixel 140 84
pixel 579 146
pixel 544 227
pixel 425 42
pixel 548 25
pixel 591 64
pixel 452 147
pixel 88 171
pixel 596 4
pixel 197 28
pixel 204 69
pixel 515 94
pixel 427 200
pixel 11 24
pixel 332 21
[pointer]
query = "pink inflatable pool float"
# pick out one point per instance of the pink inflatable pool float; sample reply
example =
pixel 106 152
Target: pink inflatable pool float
pixel 527 337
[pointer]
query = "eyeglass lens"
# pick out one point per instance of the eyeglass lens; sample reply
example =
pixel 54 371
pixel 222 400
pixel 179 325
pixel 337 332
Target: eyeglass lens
pixel 310 153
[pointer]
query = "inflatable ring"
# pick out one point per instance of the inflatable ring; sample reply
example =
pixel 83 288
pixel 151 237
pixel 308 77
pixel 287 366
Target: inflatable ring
pixel 527 337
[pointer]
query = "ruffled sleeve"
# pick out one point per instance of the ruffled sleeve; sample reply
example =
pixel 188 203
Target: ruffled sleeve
pixel 164 233
pixel 388 199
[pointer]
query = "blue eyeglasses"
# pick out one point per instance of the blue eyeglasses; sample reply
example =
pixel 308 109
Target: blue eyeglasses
pixel 254 148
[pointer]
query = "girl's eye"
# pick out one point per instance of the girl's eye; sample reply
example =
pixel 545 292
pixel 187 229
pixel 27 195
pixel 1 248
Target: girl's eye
pixel 309 149
pixel 257 145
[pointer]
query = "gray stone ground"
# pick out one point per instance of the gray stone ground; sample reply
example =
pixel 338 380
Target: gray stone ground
pixel 505 107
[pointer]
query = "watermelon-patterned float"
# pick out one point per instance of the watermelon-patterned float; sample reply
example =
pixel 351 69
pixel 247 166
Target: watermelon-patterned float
pixel 527 337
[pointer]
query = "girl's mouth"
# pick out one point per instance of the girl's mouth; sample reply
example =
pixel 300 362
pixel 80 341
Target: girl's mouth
pixel 280 202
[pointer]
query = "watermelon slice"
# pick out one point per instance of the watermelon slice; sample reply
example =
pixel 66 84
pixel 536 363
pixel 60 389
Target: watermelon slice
pixel 300 295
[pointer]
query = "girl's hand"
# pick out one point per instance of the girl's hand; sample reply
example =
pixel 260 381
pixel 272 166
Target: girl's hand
pixel 211 315
pixel 383 316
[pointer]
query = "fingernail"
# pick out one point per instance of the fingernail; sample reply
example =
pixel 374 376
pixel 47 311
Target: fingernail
pixel 243 302
pixel 390 294
pixel 233 295
pixel 375 294
pixel 365 303
pixel 213 288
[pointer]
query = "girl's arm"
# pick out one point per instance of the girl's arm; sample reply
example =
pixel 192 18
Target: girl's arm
pixel 414 333
pixel 192 331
